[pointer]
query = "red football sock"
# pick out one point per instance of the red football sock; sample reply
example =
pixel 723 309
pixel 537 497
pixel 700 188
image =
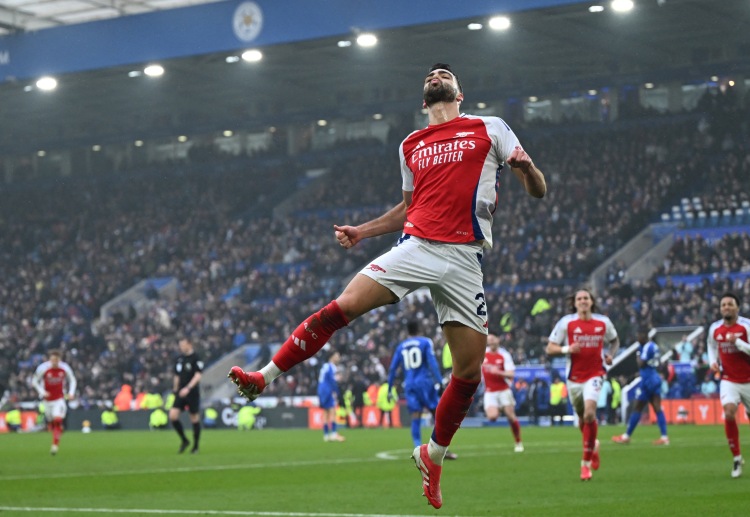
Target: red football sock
pixel 589 439
pixel 733 435
pixel 56 432
pixel 516 428
pixel 310 336
pixel 452 409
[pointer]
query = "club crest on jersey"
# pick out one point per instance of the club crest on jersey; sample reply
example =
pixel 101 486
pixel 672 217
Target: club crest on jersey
pixel 376 268
pixel 463 134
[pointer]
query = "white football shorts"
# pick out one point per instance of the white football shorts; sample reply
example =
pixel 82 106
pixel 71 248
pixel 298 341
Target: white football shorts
pixel 452 272
pixel 55 409
pixel 734 393
pixel 499 399
pixel 580 392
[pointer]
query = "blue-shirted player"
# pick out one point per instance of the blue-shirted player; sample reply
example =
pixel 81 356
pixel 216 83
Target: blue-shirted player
pixel 328 394
pixel 422 379
pixel 649 391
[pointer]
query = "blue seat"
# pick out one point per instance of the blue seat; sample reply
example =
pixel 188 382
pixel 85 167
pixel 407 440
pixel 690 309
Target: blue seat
pixel 727 217
pixel 739 216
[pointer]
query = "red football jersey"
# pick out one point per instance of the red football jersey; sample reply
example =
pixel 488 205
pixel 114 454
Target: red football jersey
pixel 502 360
pixel 591 335
pixel 735 364
pixel 53 380
pixel 453 170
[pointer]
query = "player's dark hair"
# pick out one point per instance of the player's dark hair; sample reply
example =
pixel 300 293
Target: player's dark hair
pixel 412 327
pixel 572 300
pixel 54 351
pixel 446 66
pixel 731 295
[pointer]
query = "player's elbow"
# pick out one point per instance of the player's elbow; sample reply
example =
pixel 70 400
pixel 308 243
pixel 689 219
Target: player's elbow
pixel 539 193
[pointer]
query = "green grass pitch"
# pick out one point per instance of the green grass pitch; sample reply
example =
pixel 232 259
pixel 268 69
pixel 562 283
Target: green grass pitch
pixel 294 473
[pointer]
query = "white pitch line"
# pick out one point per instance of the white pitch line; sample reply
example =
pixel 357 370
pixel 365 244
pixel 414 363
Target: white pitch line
pixel 139 472
pixel 157 511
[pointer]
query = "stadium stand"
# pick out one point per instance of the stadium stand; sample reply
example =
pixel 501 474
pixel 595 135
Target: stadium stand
pixel 245 276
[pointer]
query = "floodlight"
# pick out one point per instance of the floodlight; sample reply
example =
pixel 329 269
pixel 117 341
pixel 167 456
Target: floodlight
pixel 367 40
pixel 500 23
pixel 46 83
pixel 252 56
pixel 622 6
pixel 154 70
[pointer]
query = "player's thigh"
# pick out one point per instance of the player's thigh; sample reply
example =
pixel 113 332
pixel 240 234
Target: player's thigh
pixel 459 296
pixel 591 389
pixel 492 404
pixel 467 346
pixel 413 402
pixel 326 399
pixel 388 278
pixel 575 392
pixel 506 398
pixel 193 403
pixel 734 393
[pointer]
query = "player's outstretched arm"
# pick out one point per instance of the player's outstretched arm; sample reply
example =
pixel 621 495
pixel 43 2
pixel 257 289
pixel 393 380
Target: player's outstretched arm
pixel 527 173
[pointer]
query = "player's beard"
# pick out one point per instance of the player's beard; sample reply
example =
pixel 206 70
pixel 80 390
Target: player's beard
pixel 442 92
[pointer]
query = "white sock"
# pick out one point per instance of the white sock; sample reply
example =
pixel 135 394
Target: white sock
pixel 270 372
pixel 738 458
pixel 436 452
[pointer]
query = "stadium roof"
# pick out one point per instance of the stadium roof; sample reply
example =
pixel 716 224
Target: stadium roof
pixel 553 50
pixel 30 15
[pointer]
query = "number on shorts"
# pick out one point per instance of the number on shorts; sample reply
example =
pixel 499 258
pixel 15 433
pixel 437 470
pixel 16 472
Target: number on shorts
pixel 480 307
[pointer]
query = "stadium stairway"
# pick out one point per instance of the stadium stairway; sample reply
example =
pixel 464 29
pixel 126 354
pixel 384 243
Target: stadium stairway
pixel 640 256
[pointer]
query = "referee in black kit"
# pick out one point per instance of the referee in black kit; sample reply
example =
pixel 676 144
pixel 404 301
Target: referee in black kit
pixel 186 387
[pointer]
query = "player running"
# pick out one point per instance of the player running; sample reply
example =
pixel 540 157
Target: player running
pixel 649 392
pixel 49 380
pixel 729 353
pixel 498 370
pixel 581 337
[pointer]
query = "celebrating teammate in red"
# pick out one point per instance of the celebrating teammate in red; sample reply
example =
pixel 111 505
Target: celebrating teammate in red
pixel 450 172
pixel 49 380
pixel 729 352
pixel 498 371
pixel 581 337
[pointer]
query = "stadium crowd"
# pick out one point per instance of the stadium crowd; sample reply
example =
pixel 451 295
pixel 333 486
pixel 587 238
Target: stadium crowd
pixel 247 276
